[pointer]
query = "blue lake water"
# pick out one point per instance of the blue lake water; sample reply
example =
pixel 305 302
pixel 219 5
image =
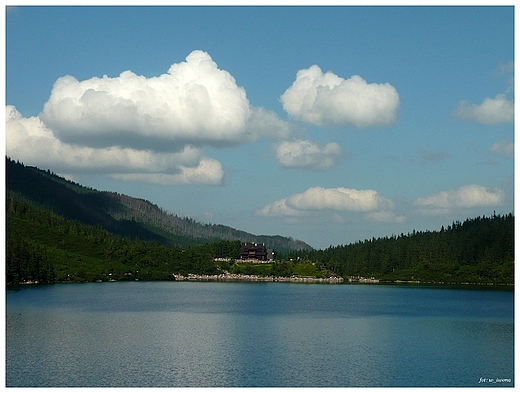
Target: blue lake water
pixel 207 334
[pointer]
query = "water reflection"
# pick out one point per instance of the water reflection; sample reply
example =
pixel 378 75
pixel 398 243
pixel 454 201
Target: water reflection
pixel 269 334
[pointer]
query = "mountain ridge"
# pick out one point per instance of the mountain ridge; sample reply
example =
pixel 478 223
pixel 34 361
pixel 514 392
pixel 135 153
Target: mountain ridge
pixel 123 214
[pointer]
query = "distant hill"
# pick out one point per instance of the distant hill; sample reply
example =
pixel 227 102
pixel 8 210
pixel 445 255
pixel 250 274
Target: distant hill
pixel 124 215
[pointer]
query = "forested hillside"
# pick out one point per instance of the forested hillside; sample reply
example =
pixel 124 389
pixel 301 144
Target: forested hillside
pixel 479 250
pixel 45 247
pixel 122 214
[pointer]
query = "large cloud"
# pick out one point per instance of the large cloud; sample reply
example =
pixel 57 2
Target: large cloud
pixel 491 111
pixel 327 100
pixel 469 196
pixel 194 103
pixel 31 141
pixel 307 154
pixel 143 129
pixel 376 207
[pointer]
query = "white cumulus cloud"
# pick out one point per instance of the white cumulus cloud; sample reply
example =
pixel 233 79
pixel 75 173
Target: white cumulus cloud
pixel 339 199
pixel 209 172
pixel 136 128
pixel 307 154
pixel 327 100
pixel 194 103
pixel 491 111
pixel 469 196
pixel 31 141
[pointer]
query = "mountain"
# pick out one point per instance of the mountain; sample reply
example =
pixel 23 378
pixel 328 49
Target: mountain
pixel 122 214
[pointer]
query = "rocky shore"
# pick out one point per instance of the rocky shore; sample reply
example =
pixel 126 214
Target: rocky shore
pixel 253 277
pixel 363 280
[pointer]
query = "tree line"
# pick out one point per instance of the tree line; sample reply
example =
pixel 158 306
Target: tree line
pixel 478 250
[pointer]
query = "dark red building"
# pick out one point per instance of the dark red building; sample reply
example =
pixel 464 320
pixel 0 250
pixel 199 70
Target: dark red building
pixel 253 251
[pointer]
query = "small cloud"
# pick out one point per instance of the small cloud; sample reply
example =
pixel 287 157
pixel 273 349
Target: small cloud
pixel 308 155
pixel 279 209
pixel 492 111
pixel 391 157
pixel 505 68
pixel 340 199
pixel 327 100
pixel 385 217
pixel 503 148
pixel 428 156
pixel 208 215
pixel 208 172
pixel 264 123
pixel 338 219
pixel 488 163
pixel 469 196
pixel 318 199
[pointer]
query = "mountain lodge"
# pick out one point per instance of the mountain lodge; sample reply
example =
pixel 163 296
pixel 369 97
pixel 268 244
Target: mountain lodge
pixel 255 251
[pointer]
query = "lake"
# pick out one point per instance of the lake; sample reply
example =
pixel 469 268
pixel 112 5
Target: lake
pixel 236 334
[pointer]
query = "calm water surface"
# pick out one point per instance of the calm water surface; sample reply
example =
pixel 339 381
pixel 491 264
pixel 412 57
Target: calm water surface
pixel 258 334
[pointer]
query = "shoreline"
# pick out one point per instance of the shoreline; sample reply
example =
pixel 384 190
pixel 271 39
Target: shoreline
pixel 254 277
pixel 228 277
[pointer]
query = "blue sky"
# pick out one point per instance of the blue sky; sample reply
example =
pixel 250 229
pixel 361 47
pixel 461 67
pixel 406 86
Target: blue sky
pixel 327 124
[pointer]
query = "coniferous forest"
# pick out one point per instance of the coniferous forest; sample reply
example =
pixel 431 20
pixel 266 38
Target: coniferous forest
pixel 45 247
pixel 49 239
pixel 478 250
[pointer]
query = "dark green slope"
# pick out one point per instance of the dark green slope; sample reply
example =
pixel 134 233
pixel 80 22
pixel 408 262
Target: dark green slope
pixel 45 247
pixel 478 250
pixel 71 200
pixel 122 214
